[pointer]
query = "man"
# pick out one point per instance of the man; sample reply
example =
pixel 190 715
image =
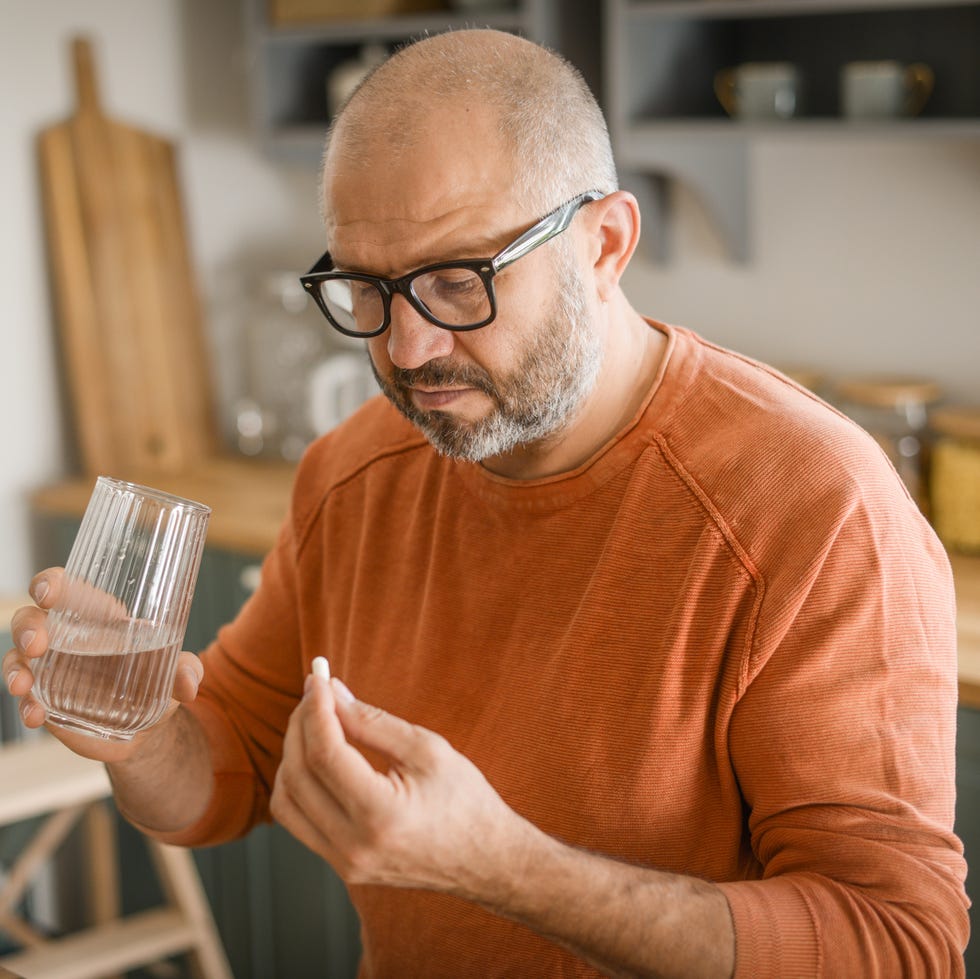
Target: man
pixel 654 655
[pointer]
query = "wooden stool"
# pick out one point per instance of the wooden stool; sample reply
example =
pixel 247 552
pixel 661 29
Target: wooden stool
pixel 42 777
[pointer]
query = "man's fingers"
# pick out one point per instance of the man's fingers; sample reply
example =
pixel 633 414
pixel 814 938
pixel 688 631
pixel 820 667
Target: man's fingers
pixel 29 629
pixel 299 783
pixel 339 766
pixel 16 675
pixel 190 673
pixel 46 587
pixel 410 746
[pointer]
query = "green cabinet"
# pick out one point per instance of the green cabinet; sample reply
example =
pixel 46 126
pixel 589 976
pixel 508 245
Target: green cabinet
pixel 280 910
pixel 968 821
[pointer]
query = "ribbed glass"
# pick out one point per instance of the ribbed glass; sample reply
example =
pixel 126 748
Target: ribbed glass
pixel 114 636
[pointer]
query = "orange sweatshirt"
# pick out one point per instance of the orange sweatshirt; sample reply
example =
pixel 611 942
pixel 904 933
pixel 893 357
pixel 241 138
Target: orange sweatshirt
pixel 723 647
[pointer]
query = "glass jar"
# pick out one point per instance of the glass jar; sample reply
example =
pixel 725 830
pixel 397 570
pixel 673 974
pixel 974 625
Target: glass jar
pixel 895 411
pixel 285 340
pixel 955 476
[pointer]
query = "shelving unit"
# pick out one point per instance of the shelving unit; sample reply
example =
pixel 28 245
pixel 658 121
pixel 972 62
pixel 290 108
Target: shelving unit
pixel 661 57
pixel 290 65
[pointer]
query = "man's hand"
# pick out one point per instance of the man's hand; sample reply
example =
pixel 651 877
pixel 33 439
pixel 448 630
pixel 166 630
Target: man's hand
pixel 29 628
pixel 428 818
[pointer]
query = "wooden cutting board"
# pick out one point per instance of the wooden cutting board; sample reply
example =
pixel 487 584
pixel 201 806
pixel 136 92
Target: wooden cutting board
pixel 129 317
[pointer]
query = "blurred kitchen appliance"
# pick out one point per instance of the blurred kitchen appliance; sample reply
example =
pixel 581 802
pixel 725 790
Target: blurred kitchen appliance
pixel 342 81
pixel 128 312
pixel 285 340
pixel 338 387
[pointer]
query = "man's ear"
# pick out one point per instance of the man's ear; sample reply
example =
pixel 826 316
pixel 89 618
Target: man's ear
pixel 615 225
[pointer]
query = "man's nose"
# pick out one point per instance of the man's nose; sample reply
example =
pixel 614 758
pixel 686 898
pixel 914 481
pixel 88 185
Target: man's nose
pixel 412 339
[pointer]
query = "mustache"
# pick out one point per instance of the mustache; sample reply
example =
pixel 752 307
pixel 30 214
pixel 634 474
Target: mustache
pixel 440 374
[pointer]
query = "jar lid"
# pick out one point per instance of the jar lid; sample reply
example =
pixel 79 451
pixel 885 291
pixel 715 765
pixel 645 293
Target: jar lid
pixel 959 421
pixel 888 391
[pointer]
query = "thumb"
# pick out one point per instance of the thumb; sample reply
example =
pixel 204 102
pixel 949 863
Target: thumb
pixel 376 729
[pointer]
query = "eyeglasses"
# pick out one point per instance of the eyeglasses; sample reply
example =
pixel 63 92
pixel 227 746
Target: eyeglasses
pixel 453 295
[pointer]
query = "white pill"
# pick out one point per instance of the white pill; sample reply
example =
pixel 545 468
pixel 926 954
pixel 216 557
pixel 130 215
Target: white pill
pixel 321 667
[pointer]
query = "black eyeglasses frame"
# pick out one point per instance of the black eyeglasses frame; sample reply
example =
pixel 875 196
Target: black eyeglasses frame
pixel 550 226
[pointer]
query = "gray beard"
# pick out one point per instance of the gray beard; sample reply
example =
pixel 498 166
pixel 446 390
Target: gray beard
pixel 532 403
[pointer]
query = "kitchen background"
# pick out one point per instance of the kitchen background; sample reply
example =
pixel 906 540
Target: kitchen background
pixel 857 251
pixel 864 251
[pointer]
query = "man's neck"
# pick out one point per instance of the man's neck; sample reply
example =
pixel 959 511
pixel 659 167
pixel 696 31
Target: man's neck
pixel 633 356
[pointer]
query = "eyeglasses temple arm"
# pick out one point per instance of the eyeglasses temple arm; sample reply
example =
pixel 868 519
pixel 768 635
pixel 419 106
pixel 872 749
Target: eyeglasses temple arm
pixel 554 224
pixel 323 264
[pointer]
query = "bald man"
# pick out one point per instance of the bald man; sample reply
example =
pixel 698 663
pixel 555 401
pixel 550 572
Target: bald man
pixel 654 657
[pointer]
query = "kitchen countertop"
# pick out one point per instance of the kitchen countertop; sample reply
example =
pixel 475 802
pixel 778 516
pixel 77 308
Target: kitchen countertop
pixel 249 501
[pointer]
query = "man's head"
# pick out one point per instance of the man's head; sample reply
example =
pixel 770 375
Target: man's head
pixel 449 151
pixel 543 113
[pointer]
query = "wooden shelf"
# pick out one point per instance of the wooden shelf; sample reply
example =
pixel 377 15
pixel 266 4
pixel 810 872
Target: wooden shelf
pixel 642 138
pixel 391 29
pixel 661 58
pixel 291 63
pixel 732 9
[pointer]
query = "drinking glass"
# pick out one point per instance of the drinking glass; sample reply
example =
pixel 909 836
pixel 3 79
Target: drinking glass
pixel 116 632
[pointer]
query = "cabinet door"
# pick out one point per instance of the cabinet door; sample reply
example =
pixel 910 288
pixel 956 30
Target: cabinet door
pixel 968 821
pixel 280 909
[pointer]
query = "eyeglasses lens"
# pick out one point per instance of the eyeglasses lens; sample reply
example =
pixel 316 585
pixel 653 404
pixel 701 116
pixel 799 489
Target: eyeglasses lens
pixel 354 304
pixel 455 296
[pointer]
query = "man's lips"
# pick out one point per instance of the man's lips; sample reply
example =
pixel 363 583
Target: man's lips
pixel 431 399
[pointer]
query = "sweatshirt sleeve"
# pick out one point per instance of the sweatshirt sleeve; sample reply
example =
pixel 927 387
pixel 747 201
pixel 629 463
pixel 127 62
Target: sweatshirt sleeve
pixel 253 679
pixel 844 745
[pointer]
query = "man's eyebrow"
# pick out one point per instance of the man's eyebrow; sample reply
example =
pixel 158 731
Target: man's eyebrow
pixel 474 248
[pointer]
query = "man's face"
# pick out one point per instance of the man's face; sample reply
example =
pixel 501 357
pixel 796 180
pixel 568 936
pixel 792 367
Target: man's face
pixel 531 398
pixel 514 382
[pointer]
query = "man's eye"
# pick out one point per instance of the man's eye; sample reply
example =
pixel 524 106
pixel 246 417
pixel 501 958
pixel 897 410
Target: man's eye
pixel 456 282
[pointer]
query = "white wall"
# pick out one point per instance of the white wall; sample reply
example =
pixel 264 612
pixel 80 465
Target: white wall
pixel 866 253
pixel 865 257
pixel 174 67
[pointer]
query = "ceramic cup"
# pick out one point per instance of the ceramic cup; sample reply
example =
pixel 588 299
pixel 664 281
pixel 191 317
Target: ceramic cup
pixel 759 90
pixel 884 89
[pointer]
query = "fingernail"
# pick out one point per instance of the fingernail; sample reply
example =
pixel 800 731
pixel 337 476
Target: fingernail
pixel 341 692
pixel 26 638
pixel 11 676
pixel 26 709
pixel 39 591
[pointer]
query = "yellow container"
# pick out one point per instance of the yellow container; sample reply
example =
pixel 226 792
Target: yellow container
pixel 955 477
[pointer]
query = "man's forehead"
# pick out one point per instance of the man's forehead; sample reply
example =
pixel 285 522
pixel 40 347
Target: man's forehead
pixel 426 141
pixel 393 244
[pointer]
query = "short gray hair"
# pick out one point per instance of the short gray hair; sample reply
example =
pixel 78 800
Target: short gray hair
pixel 546 111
